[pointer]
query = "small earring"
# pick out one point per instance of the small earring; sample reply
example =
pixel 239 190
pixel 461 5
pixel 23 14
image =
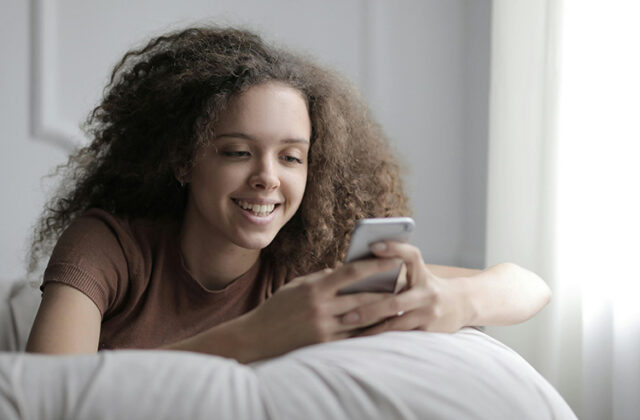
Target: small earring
pixel 181 183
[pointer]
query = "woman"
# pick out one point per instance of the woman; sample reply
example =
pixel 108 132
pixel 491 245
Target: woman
pixel 214 205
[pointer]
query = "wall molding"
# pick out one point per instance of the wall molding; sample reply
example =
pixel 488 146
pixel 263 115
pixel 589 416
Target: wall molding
pixel 45 123
pixel 47 126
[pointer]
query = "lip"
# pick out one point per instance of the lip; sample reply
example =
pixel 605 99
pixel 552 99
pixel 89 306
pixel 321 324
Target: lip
pixel 258 220
pixel 260 201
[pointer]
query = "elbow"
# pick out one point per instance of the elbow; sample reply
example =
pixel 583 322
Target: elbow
pixel 538 289
pixel 544 294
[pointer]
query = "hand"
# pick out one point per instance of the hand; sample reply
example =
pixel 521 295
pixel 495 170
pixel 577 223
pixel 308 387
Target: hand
pixel 427 303
pixel 308 310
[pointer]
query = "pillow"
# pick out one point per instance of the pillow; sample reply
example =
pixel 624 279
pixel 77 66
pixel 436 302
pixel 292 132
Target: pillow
pixel 396 375
pixel 18 307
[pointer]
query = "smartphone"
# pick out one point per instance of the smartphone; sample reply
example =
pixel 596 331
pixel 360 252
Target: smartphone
pixel 366 233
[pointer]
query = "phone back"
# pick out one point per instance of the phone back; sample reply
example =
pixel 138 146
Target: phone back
pixel 366 233
pixel 369 231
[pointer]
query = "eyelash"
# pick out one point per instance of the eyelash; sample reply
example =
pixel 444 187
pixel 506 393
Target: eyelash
pixel 241 154
pixel 291 159
pixel 235 154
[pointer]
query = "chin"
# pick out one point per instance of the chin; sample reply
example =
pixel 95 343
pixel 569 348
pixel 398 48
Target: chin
pixel 255 242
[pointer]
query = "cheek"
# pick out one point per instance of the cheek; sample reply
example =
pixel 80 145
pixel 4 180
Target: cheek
pixel 296 185
pixel 211 186
pixel 226 178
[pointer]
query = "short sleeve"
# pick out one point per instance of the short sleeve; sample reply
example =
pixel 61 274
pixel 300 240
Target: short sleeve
pixel 89 256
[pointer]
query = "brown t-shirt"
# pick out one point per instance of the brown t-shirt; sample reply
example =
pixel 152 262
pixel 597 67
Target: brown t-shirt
pixel 135 274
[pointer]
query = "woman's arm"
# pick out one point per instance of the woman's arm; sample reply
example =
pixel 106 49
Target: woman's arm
pixel 67 322
pixel 503 294
pixel 305 311
pixel 445 299
pixel 229 339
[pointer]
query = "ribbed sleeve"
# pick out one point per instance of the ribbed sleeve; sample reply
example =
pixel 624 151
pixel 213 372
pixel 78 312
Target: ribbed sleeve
pixel 86 283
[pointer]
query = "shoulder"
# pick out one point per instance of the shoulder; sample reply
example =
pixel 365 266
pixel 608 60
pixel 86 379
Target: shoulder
pixel 99 253
pixel 91 239
pixel 98 232
pixel 94 223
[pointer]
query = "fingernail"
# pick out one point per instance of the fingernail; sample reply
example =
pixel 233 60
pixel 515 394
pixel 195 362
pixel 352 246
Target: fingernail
pixel 379 247
pixel 351 318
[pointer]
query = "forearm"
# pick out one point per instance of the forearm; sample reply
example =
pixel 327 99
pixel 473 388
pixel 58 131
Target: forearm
pixel 227 340
pixel 504 294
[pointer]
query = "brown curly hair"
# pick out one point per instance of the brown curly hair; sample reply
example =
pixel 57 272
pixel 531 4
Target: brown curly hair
pixel 160 107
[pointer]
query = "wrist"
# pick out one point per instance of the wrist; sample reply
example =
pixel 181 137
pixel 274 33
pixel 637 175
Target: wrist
pixel 241 336
pixel 468 302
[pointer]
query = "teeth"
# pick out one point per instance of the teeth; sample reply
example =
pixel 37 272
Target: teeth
pixel 259 210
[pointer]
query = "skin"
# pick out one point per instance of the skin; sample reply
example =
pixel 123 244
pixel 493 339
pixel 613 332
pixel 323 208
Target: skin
pixel 259 155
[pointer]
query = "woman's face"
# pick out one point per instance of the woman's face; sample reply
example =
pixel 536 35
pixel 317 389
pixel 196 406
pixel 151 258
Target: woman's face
pixel 250 179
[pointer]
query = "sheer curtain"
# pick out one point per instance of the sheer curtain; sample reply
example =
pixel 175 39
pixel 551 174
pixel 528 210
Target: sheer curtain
pixel 564 190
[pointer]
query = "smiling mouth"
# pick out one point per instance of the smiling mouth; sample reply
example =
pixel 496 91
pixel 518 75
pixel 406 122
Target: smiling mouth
pixel 260 210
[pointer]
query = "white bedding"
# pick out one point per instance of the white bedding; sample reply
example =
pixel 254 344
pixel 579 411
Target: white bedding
pixel 408 375
pixel 396 375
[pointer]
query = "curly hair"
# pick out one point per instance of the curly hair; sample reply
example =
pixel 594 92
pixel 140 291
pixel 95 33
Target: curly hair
pixel 160 107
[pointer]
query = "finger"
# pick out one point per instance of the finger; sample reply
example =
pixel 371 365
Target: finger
pixel 405 322
pixel 374 312
pixel 357 270
pixel 347 303
pixel 343 334
pixel 408 253
pixel 313 277
pixel 336 331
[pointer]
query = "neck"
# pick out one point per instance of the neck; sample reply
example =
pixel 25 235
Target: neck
pixel 212 263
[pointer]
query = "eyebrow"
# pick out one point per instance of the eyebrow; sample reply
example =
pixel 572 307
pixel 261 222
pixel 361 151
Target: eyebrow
pixel 248 137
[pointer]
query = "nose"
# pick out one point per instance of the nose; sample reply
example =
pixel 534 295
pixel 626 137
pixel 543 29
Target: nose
pixel 265 175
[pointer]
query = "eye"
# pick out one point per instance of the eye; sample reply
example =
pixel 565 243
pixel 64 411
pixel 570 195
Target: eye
pixel 292 159
pixel 236 153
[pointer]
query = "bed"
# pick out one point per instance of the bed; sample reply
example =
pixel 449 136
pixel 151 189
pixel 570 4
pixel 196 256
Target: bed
pixel 396 375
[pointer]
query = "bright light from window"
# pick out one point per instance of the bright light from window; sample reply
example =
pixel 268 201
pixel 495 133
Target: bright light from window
pixel 599 152
pixel 598 201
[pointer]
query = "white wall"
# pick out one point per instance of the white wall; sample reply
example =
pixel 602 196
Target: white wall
pixel 422 64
